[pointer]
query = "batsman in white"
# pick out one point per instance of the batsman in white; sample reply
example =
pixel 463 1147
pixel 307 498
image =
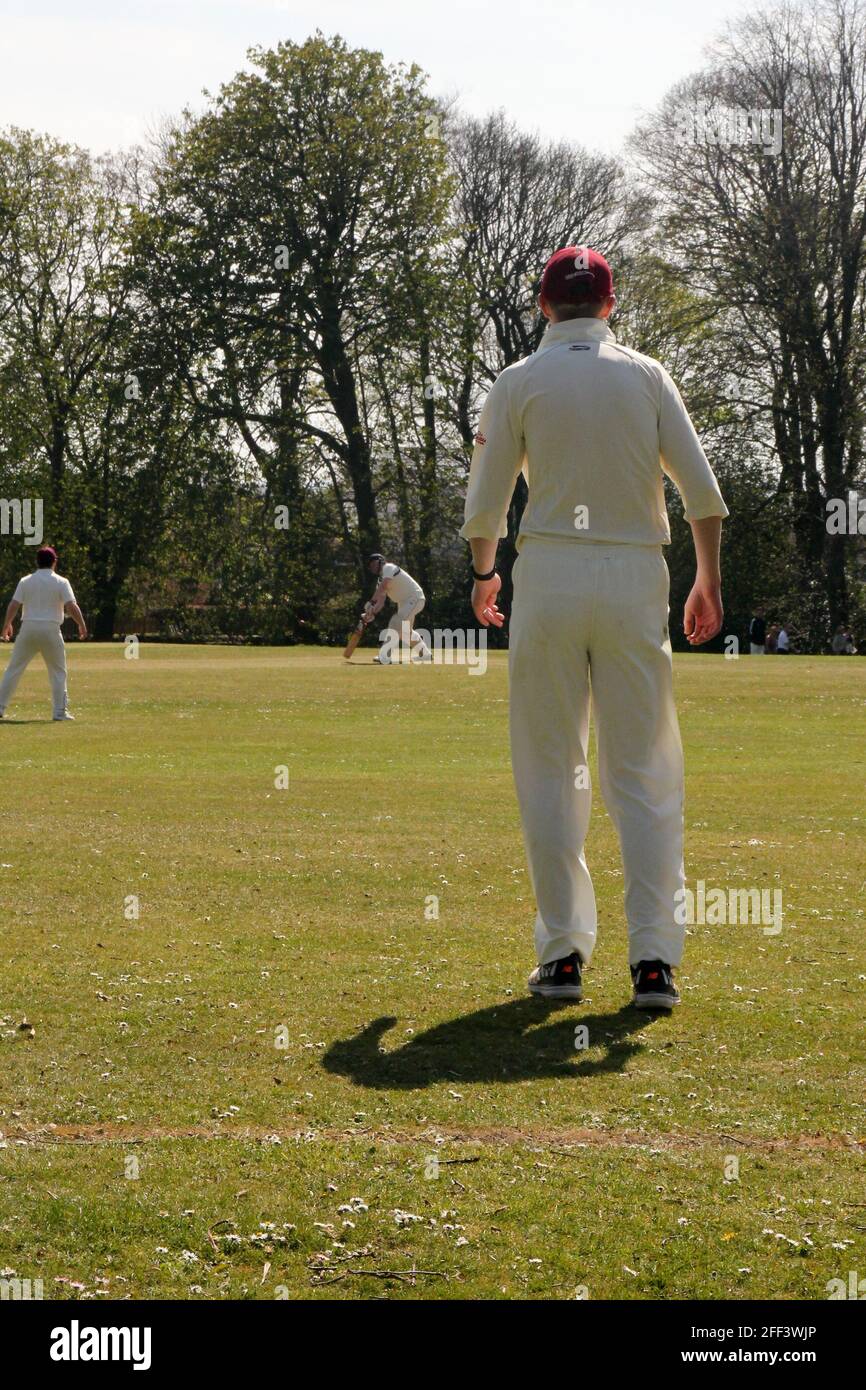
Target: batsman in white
pixel 44 598
pixel 406 592
pixel 594 425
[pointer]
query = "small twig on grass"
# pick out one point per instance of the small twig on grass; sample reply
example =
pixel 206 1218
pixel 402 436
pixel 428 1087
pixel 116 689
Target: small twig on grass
pixel 404 1274
pixel 367 1253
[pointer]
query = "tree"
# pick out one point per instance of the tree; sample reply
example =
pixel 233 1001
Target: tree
pixel 276 246
pixel 765 215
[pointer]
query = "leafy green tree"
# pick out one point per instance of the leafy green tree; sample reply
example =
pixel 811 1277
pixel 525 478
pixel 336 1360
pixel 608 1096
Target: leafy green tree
pixel 276 246
pixel 79 417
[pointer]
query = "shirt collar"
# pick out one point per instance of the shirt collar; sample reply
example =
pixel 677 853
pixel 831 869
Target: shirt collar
pixel 575 331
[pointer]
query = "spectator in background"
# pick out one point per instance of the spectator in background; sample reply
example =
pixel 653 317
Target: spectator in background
pixel 783 645
pixel 843 642
pixel 771 639
pixel 757 633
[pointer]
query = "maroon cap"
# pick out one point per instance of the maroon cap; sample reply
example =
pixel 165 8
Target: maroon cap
pixel 46 552
pixel 576 275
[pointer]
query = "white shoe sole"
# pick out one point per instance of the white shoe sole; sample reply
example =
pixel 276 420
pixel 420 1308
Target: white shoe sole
pixel 574 992
pixel 655 1001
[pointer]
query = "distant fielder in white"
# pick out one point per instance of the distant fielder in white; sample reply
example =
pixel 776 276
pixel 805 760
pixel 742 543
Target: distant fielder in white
pixel 406 592
pixel 44 599
pixel 594 426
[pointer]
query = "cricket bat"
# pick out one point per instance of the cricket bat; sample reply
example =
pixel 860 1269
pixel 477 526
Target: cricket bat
pixel 356 636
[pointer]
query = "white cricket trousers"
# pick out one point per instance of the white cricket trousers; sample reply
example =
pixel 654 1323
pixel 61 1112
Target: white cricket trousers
pixel 595 616
pixel 401 624
pixel 33 637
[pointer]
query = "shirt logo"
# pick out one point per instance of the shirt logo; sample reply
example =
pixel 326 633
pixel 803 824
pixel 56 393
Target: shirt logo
pixel 480 439
pixel 579 347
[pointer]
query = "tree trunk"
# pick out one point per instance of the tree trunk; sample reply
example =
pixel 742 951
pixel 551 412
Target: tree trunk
pixel 427 474
pixel 340 386
pixel 106 612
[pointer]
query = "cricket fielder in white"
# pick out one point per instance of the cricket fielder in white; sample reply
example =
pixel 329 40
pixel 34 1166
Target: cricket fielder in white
pixel 406 592
pixel 44 599
pixel 593 426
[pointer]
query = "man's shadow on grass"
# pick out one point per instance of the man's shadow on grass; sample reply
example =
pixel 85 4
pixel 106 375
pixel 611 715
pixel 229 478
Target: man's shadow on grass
pixel 519 1041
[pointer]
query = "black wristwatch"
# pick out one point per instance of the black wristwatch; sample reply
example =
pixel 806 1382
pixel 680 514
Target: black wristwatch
pixel 476 575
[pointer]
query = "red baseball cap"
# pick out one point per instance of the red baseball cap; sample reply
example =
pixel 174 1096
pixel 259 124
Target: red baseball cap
pixel 576 275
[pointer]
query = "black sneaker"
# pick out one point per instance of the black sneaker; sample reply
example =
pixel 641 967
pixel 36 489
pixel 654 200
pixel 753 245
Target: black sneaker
pixel 559 979
pixel 654 986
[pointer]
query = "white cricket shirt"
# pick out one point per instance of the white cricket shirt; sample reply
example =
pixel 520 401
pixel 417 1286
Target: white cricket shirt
pixel 593 426
pixel 43 595
pixel 401 587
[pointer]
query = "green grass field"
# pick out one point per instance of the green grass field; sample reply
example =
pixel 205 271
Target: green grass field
pixel 286 1077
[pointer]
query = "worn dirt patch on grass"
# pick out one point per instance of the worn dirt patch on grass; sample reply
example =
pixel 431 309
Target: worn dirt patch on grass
pixel 483 1135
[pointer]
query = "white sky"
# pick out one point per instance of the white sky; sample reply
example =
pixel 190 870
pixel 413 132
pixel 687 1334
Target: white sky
pixel 102 73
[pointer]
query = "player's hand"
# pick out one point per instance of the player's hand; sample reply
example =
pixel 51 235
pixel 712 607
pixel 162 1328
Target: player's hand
pixel 484 592
pixel 7 633
pixel 703 614
pixel 82 633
